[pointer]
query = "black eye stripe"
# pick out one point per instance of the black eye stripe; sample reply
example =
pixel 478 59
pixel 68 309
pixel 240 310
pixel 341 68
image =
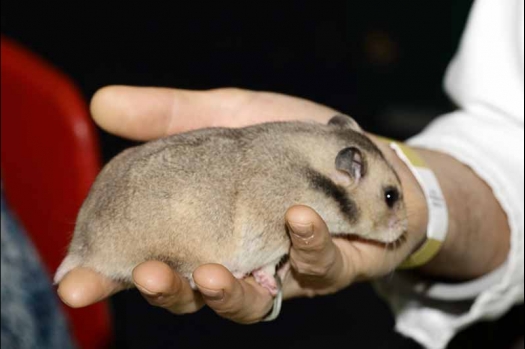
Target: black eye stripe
pixel 322 183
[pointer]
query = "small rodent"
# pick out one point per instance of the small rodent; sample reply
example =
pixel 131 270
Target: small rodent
pixel 219 195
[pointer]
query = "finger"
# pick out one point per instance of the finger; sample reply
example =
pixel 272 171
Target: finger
pixel 313 254
pixel 162 287
pixel 145 113
pixel 82 287
pixel 242 301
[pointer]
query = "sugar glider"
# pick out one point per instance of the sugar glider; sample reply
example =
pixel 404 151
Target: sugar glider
pixel 219 195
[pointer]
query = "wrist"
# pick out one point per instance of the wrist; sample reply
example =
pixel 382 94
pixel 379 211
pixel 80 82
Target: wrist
pixel 475 219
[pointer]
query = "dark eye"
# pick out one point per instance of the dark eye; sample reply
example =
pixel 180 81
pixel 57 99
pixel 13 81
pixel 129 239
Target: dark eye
pixel 391 196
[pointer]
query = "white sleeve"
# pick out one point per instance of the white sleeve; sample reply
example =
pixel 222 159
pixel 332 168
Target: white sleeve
pixel 486 81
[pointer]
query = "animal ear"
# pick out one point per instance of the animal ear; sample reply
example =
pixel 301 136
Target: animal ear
pixel 345 122
pixel 351 162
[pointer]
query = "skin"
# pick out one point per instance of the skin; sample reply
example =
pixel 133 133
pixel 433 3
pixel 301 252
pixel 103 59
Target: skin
pixel 319 264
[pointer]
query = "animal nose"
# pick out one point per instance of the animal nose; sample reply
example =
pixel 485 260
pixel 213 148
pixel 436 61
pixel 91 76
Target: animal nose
pixel 395 223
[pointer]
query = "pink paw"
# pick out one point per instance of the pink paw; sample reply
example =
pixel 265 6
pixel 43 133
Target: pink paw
pixel 266 280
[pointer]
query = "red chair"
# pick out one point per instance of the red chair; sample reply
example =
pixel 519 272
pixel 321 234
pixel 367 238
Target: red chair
pixel 50 157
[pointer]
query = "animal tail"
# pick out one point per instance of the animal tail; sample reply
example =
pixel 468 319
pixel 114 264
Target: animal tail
pixel 69 263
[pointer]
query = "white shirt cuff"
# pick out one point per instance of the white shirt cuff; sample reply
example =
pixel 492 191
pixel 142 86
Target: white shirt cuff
pixel 430 312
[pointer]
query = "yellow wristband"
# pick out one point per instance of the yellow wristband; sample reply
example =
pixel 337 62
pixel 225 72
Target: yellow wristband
pixel 437 208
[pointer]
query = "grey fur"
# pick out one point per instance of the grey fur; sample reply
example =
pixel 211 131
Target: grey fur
pixel 219 195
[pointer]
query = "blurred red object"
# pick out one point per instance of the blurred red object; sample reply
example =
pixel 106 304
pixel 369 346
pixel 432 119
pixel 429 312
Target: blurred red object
pixel 50 158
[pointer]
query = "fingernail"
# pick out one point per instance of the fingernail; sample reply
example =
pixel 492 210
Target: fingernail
pixel 148 292
pixel 214 295
pixel 302 231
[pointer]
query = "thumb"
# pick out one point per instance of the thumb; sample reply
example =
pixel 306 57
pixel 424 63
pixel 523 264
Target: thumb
pixel 313 254
pixel 145 113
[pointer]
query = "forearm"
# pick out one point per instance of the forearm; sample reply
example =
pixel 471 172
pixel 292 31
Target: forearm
pixel 478 237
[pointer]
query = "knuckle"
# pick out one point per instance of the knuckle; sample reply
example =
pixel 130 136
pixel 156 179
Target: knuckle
pixel 310 293
pixel 310 269
pixel 241 311
pixel 160 302
pixel 313 246
pixel 316 248
pixel 231 312
pixel 168 303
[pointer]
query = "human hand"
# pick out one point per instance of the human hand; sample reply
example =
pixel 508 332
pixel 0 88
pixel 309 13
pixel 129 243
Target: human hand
pixel 319 264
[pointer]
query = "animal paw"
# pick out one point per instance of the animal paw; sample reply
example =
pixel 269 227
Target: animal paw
pixel 265 277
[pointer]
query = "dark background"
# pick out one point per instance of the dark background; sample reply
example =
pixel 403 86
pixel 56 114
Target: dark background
pixel 379 61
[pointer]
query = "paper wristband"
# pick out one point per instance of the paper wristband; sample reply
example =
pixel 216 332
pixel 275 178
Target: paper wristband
pixel 437 207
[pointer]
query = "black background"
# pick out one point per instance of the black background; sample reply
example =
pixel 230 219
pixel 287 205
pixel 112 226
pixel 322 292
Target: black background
pixel 379 61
